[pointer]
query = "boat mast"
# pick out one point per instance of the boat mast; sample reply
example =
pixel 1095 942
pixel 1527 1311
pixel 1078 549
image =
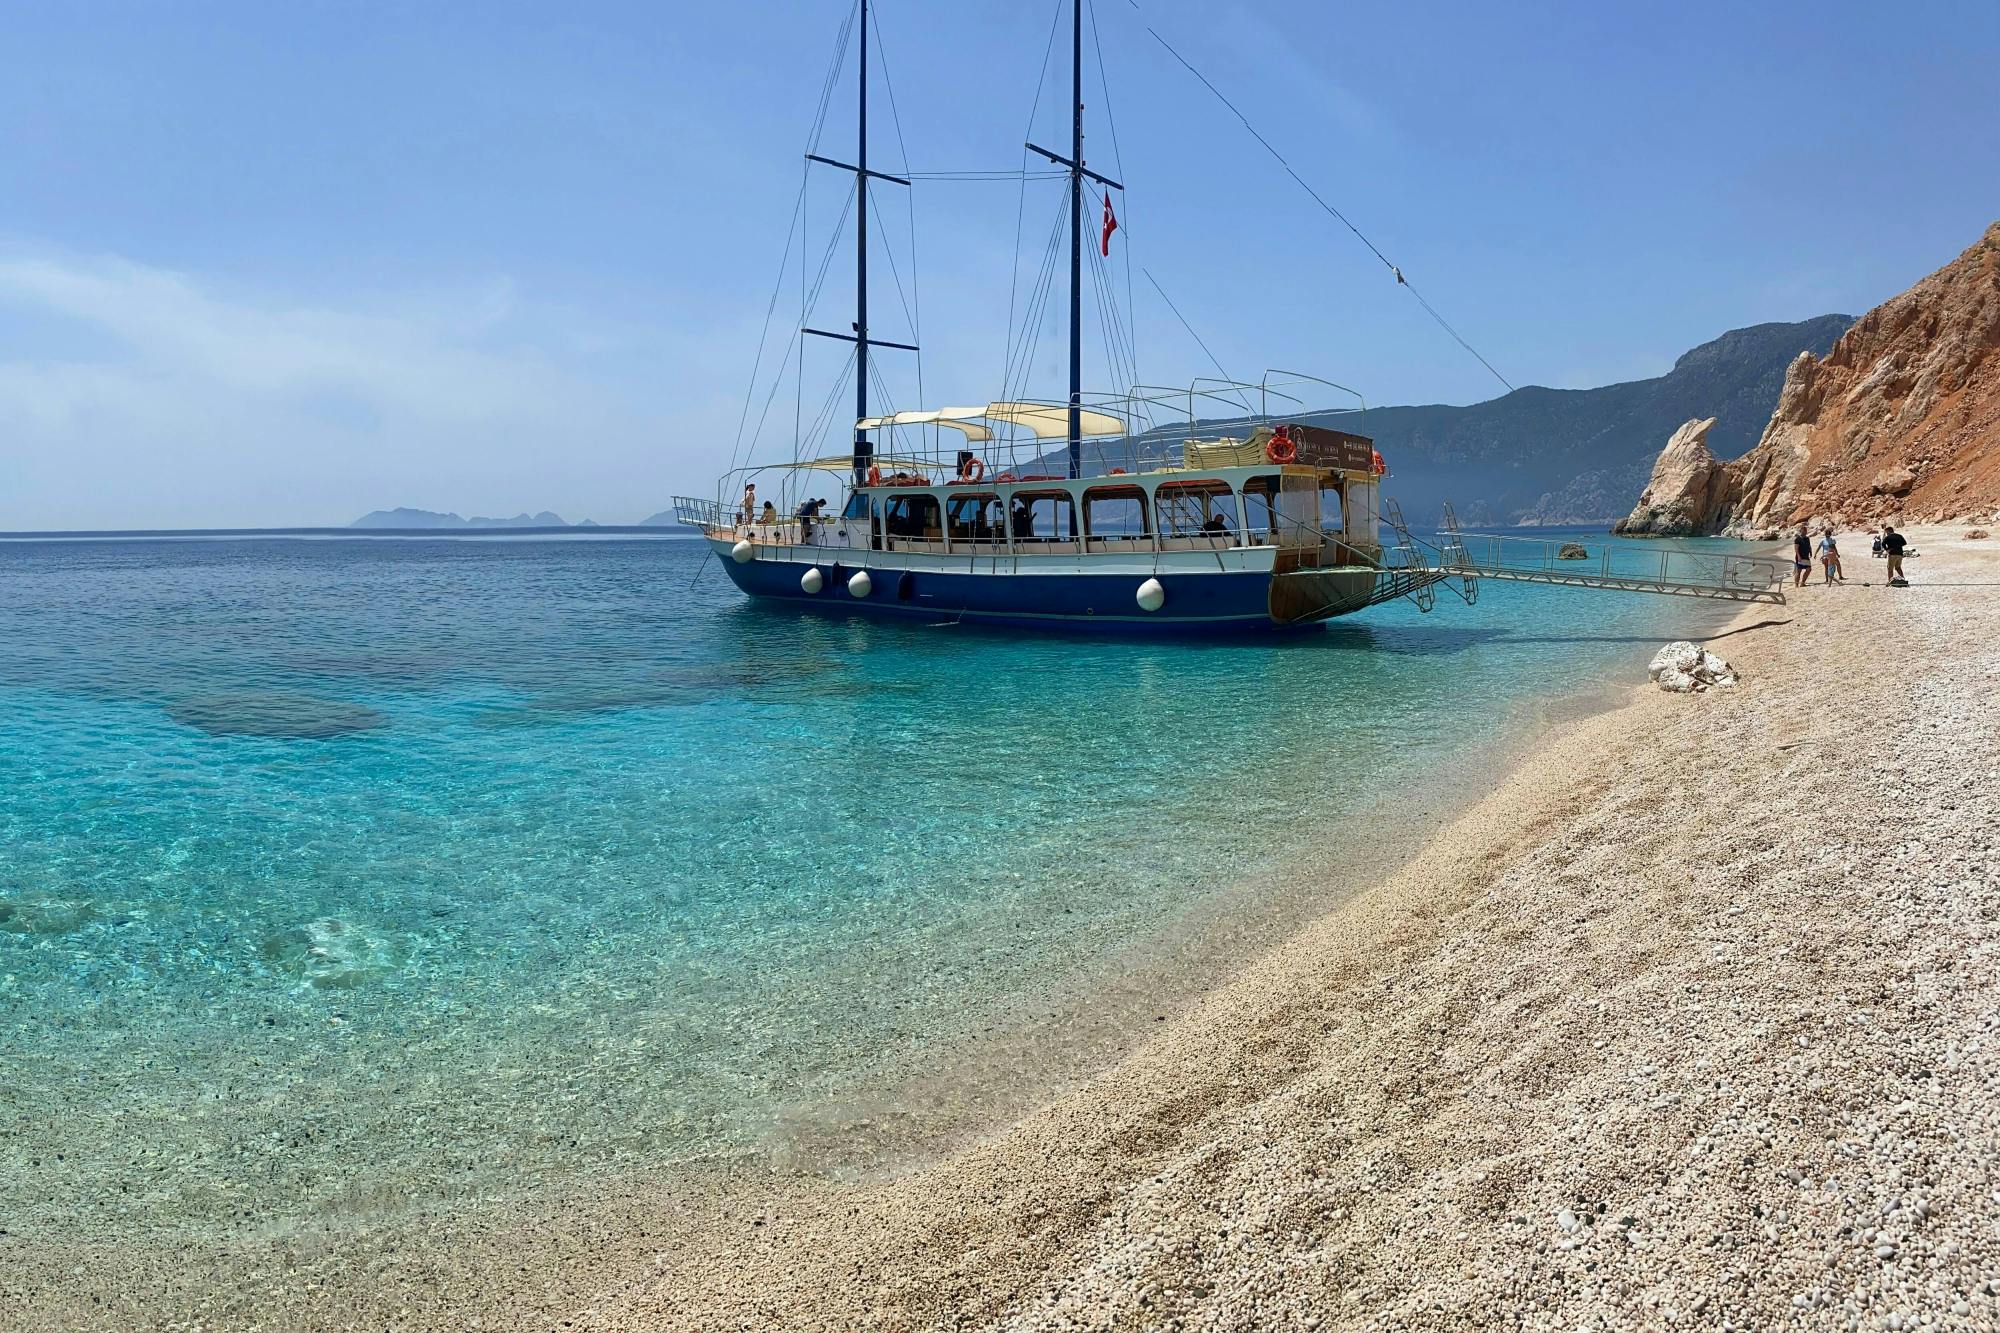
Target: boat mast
pixel 864 449
pixel 1076 241
pixel 1077 172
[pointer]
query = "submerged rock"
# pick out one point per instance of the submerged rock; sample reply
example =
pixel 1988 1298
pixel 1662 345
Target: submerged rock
pixel 38 913
pixel 332 954
pixel 276 713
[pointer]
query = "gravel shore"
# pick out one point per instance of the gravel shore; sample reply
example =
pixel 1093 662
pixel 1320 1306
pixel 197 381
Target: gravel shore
pixel 1691 1022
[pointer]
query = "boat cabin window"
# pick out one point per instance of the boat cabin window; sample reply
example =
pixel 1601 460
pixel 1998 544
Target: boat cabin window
pixel 912 517
pixel 1333 520
pixel 1042 516
pixel 1205 509
pixel 975 519
pixel 1116 512
pixel 1260 510
pixel 1330 521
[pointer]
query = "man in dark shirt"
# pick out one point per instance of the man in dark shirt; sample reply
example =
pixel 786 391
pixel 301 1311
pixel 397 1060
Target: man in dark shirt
pixel 1892 546
pixel 1801 558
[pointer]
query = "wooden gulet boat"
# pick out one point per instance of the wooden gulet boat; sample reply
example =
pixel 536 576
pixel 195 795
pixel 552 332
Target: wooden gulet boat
pixel 1266 523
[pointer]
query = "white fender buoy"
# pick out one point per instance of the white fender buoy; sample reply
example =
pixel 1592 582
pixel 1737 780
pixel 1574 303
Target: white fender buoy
pixel 861 585
pixel 742 551
pixel 812 580
pixel 1151 595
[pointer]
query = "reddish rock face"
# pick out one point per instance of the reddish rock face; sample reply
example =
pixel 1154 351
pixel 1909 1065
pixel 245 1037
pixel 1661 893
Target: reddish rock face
pixel 1901 418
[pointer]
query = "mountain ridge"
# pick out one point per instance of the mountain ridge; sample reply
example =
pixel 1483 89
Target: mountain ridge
pixel 1901 416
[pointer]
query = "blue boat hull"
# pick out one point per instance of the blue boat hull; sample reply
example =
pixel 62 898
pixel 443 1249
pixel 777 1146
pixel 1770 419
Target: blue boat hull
pixel 1218 602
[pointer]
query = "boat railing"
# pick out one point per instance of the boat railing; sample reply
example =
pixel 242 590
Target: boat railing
pixel 1159 422
pixel 1619 564
pixel 698 512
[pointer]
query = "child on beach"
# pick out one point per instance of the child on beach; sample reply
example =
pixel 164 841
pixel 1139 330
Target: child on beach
pixel 1829 558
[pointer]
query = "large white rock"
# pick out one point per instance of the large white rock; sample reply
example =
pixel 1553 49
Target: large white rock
pixel 1689 668
pixel 1679 655
pixel 1677 680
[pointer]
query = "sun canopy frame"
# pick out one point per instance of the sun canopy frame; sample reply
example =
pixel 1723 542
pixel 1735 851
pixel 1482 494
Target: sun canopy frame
pixel 1044 421
pixel 844 463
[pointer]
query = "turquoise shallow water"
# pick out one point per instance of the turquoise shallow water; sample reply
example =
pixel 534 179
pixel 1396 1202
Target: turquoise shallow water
pixel 336 874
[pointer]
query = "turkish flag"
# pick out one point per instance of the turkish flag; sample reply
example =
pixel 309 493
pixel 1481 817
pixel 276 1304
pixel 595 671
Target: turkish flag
pixel 1110 224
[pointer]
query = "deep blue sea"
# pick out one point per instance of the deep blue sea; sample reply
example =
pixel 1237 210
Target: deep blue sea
pixel 338 874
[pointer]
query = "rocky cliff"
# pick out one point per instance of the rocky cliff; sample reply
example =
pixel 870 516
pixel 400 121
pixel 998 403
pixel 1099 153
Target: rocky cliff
pixel 1685 495
pixel 1901 417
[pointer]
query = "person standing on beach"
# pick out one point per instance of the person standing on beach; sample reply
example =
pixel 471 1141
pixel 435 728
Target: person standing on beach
pixel 1829 558
pixel 1892 546
pixel 1801 557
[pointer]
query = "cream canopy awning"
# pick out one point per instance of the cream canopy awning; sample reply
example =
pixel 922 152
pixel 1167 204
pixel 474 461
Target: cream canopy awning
pixel 1042 420
pixel 962 419
pixel 845 463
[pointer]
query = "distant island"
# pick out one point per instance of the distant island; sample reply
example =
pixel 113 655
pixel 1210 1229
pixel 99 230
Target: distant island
pixel 430 518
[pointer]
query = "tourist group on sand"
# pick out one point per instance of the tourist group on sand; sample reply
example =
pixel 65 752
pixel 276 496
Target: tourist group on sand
pixel 1888 543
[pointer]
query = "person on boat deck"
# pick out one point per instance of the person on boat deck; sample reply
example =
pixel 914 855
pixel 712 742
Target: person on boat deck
pixel 1216 523
pixel 770 514
pixel 749 502
pixel 807 515
pixel 1023 519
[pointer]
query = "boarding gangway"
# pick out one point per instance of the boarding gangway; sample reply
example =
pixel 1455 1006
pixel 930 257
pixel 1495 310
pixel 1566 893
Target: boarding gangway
pixel 1460 559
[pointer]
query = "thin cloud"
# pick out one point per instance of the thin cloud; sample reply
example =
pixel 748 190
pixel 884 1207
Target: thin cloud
pixel 202 407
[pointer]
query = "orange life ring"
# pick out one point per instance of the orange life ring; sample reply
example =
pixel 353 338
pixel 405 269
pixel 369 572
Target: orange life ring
pixel 1381 467
pixel 1006 477
pixel 874 475
pixel 1281 449
pixel 1116 472
pixel 973 470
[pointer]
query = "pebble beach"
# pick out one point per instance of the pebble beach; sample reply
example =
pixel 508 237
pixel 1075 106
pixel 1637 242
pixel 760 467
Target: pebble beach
pixel 1688 1021
pixel 1691 1023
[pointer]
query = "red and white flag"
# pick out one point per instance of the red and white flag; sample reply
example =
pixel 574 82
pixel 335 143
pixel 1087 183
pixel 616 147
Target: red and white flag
pixel 1110 225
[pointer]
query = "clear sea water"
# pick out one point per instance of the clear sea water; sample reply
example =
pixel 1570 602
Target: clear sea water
pixel 341 874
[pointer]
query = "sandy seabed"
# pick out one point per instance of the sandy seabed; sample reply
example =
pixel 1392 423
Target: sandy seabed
pixel 1691 1021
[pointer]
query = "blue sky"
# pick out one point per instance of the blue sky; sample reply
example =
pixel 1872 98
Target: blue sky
pixel 286 263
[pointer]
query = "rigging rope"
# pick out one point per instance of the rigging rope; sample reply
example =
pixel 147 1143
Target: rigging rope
pixel 1330 209
pixel 913 307
pixel 763 336
pixel 1021 203
pixel 1191 333
pixel 1118 157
